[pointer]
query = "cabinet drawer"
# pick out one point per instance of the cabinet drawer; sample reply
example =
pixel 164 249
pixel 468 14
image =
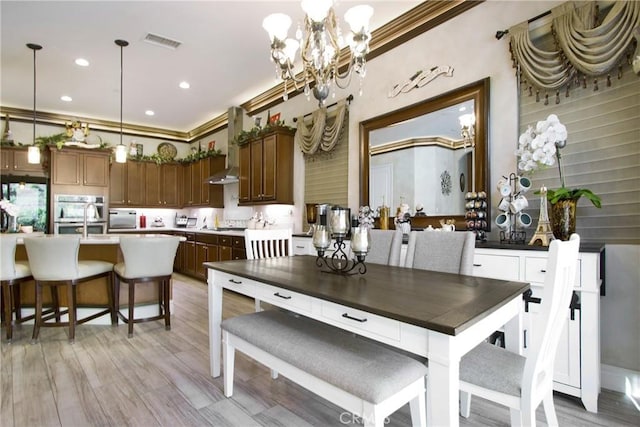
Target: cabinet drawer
pixel 224 240
pixel 238 242
pixel 211 239
pixel 235 283
pixel 283 298
pixel 360 321
pixel 303 246
pixel 536 267
pixel 503 267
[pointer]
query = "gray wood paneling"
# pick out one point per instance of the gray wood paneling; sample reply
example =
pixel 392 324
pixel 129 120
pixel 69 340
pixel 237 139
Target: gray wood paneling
pixel 602 154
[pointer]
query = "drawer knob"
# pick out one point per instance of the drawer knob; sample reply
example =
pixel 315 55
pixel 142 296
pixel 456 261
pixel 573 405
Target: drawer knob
pixel 279 295
pixel 237 282
pixel 346 316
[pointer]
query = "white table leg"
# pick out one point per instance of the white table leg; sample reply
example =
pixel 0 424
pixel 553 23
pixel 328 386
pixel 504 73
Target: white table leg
pixel 513 336
pixel 443 381
pixel 215 318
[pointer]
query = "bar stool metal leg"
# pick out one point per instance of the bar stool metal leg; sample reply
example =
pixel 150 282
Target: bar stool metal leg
pixel 132 298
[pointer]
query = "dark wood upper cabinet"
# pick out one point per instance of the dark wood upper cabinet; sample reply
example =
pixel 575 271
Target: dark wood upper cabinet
pixel 14 162
pixel 266 169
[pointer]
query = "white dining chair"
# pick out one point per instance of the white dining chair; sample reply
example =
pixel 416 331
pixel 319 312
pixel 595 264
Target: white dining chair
pixel 445 251
pixel 54 262
pixel 12 274
pixel 519 382
pixel 385 247
pixel 146 260
pixel 268 243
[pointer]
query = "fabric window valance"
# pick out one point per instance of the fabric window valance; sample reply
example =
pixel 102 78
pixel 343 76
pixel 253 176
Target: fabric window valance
pixel 323 133
pixel 582 48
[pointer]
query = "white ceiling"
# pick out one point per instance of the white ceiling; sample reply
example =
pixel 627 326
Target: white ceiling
pixel 224 56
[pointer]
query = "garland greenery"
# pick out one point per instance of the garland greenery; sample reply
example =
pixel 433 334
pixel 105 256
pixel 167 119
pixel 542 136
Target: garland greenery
pixel 246 135
pixel 59 140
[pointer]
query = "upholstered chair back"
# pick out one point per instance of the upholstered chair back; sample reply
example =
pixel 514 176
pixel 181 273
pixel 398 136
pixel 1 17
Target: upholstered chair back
pixel 445 251
pixel 53 257
pixel 148 256
pixel 385 247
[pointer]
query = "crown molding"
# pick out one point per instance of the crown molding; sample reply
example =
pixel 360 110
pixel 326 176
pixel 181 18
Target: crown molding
pixel 418 20
pixel 42 117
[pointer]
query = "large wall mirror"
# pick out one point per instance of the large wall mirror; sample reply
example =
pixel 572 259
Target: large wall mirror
pixel 419 156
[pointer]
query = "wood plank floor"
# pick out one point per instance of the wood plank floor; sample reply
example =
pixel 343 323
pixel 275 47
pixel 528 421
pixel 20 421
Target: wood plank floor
pixel 161 378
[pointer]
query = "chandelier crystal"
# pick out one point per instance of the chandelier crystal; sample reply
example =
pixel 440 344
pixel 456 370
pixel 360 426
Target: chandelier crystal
pixel 319 45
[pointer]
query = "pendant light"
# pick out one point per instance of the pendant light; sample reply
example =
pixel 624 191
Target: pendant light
pixel 33 153
pixel 121 150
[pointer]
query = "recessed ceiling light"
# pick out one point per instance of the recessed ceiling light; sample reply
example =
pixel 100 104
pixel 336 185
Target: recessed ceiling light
pixel 66 98
pixel 82 62
pixel 149 113
pixel 185 85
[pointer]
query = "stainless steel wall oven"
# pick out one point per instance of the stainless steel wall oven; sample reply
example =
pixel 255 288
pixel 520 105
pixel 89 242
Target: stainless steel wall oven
pixel 69 214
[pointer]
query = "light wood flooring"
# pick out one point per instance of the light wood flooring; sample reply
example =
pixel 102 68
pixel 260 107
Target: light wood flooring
pixel 161 378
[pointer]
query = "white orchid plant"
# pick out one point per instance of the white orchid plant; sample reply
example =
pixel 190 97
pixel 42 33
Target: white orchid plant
pixel 538 149
pixel 9 208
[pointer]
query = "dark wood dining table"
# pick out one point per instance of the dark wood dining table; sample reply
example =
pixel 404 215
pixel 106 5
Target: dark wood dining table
pixel 440 316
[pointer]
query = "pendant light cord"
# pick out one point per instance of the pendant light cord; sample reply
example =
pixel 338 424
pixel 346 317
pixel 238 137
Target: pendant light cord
pixel 35 48
pixel 122 44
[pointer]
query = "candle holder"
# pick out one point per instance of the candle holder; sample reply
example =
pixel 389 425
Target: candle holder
pixel 339 262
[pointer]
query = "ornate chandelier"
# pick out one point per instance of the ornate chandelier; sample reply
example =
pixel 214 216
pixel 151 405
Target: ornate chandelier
pixel 320 47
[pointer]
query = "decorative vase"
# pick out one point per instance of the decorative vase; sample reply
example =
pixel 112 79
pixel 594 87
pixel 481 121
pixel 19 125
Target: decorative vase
pixel 12 226
pixel 563 218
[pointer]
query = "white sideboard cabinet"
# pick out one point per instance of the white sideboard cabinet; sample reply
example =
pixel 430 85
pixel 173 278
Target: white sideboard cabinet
pixel 577 364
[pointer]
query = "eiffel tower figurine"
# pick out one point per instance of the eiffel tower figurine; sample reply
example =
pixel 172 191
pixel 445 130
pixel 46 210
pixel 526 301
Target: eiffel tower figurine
pixel 543 235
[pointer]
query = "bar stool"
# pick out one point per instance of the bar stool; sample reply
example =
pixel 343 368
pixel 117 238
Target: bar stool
pixel 54 262
pixel 12 274
pixel 147 259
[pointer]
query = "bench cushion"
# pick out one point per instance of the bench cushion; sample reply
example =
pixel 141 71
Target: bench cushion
pixel 358 366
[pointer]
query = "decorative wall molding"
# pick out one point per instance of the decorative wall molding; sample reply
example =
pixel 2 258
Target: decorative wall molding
pixel 420 79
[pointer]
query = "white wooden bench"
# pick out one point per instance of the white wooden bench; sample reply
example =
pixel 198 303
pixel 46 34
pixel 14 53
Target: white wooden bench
pixel 365 378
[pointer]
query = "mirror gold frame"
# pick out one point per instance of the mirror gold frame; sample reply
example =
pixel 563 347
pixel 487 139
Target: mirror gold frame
pixel 479 93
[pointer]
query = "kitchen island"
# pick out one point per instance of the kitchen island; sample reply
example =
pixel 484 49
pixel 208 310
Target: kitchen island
pixel 92 296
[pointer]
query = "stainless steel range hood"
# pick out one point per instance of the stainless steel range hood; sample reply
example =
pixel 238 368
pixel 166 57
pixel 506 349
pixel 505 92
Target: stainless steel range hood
pixel 232 172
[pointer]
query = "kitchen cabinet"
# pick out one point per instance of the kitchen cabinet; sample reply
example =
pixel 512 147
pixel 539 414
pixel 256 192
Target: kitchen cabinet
pixel 187 185
pixel 211 195
pixel 577 363
pixel 266 169
pixel 231 247
pixel 127 184
pixel 202 247
pixel 14 162
pixel 161 185
pixel 206 250
pixel 87 168
pixel 196 192
pixel 189 254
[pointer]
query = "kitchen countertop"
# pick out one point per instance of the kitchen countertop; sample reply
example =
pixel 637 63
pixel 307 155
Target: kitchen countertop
pixel 224 231
pixel 101 239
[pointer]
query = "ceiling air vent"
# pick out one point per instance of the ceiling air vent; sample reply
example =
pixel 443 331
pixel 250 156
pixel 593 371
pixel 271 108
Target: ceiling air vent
pixel 162 41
